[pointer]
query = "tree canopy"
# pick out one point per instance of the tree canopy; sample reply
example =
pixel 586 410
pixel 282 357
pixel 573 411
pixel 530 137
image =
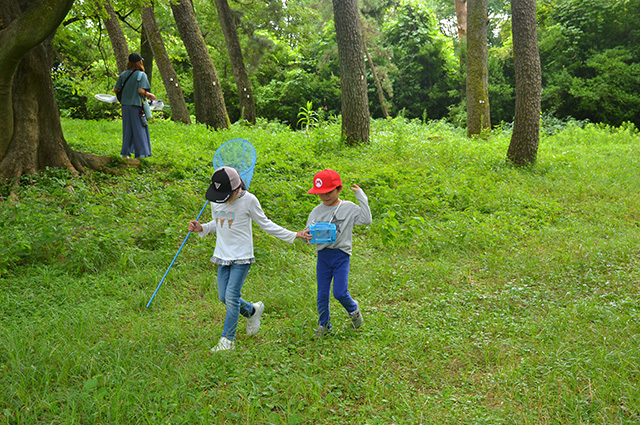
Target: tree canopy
pixel 590 58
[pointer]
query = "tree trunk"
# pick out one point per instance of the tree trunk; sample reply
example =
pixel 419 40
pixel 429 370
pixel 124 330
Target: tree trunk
pixel 147 53
pixel 208 96
pixel 478 115
pixel 461 18
pixel 30 133
pixel 179 111
pixel 245 93
pixel 461 15
pixel 383 102
pixel 353 82
pixel 118 40
pixel 523 148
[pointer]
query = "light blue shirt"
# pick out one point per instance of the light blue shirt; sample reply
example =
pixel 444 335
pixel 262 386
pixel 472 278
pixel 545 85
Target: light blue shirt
pixel 130 95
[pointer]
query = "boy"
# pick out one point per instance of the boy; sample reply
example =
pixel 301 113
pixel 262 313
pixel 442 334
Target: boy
pixel 333 258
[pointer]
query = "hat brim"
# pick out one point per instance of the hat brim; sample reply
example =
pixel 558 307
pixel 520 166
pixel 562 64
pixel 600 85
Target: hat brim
pixel 216 196
pixel 319 190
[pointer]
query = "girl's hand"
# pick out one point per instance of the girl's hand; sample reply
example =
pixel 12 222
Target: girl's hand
pixel 194 226
pixel 304 234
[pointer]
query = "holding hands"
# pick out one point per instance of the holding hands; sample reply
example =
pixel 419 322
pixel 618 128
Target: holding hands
pixel 195 226
pixel 304 234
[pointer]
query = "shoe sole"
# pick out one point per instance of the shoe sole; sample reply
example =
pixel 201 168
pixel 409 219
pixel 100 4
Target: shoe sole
pixel 219 350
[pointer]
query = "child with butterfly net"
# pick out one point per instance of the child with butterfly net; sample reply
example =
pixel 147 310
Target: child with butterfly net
pixel 233 209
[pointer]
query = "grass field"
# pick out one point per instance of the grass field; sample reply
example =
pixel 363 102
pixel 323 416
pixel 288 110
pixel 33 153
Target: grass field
pixel 491 294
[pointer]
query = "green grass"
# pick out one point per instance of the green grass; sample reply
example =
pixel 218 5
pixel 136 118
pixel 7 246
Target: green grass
pixel 490 294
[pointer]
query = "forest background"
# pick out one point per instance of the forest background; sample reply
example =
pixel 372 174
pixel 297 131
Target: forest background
pixel 492 294
pixel 589 52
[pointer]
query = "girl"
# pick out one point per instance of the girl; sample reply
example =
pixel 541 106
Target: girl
pixel 232 210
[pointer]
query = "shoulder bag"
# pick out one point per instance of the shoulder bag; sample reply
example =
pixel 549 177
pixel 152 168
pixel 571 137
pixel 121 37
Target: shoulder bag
pixel 119 93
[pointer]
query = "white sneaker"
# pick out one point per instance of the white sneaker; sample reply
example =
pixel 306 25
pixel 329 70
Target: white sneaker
pixel 224 345
pixel 253 322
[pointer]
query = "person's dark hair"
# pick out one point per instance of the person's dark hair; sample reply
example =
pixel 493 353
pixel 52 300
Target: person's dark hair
pixel 138 66
pixel 242 185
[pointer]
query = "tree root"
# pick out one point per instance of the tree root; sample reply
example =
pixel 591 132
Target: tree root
pixel 76 162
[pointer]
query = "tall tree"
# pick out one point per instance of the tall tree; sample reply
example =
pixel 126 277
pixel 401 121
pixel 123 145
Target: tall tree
pixel 147 52
pixel 478 116
pixel 116 36
pixel 353 81
pixel 245 92
pixel 461 18
pixel 523 148
pixel 30 132
pixel 208 97
pixel 179 111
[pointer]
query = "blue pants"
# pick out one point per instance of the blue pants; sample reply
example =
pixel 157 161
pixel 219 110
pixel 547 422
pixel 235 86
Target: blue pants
pixel 135 136
pixel 230 281
pixel 333 264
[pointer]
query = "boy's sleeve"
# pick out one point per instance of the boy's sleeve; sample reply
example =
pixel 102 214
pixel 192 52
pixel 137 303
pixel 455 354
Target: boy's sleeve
pixel 364 217
pixel 207 228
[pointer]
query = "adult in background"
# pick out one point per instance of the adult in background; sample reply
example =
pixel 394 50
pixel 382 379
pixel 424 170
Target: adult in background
pixel 134 85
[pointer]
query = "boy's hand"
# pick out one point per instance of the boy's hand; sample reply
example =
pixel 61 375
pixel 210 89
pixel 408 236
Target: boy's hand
pixel 355 187
pixel 304 234
pixel 194 226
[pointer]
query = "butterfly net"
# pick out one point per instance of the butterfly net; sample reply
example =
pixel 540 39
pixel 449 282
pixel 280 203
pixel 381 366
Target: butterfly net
pixel 239 154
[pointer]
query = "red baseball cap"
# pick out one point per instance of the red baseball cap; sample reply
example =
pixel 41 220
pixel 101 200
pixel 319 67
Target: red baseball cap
pixel 325 181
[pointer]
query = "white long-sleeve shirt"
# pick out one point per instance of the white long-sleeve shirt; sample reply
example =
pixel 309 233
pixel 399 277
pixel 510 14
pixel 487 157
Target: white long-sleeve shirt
pixel 232 225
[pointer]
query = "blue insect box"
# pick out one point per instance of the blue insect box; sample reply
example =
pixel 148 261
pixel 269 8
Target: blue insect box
pixel 323 233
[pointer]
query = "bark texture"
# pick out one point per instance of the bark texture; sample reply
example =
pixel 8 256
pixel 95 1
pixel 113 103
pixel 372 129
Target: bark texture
pixel 208 96
pixel 353 81
pixel 478 115
pixel 117 38
pixel 147 53
pixel 523 148
pixel 230 30
pixel 179 110
pixel 461 16
pixel 30 132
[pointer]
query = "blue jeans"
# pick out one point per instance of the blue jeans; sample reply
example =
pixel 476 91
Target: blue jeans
pixel 230 281
pixel 333 264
